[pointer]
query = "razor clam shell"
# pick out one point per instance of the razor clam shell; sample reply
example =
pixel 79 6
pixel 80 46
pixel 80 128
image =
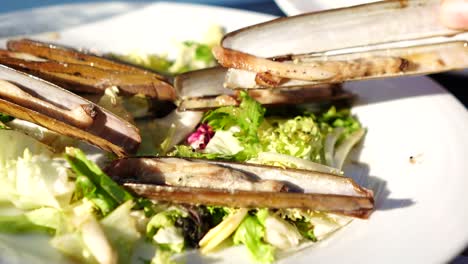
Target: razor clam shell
pixel 423 59
pixel 91 79
pixel 362 25
pixel 204 90
pixel 360 207
pixel 308 189
pixel 295 179
pixel 83 72
pixel 107 131
pixel 185 173
pixel 308 181
pixel 199 83
pixel 63 54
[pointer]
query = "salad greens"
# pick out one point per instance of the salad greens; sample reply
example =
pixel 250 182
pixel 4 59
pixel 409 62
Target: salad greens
pixel 93 184
pixel 191 55
pixel 4 119
pixel 246 132
pixel 251 233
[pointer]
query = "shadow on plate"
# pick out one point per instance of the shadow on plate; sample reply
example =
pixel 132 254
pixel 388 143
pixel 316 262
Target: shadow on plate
pixel 384 90
pixel 359 171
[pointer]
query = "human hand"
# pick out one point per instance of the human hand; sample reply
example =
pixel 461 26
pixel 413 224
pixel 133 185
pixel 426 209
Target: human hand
pixel 454 13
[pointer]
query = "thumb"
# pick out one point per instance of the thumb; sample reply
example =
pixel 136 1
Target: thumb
pixel 454 14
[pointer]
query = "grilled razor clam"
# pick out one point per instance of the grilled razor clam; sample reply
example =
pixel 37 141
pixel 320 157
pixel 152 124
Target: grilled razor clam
pixel 331 71
pixel 148 170
pixel 271 97
pixel 43 103
pixel 355 206
pixel 82 116
pixel 345 70
pixel 308 181
pixel 422 59
pixel 184 173
pixel 238 60
pixel 68 55
pixel 198 181
pixel 204 90
pixel 90 79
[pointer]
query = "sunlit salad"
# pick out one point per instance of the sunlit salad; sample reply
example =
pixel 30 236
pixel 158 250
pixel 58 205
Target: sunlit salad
pixel 55 186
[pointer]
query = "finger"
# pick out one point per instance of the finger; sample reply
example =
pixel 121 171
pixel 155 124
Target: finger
pixel 454 14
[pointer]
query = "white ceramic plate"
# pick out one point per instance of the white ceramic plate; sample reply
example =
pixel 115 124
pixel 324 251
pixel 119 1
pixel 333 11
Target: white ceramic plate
pixel 422 213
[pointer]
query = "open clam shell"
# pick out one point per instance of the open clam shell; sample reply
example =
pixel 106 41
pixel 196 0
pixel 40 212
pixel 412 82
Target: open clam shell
pixel 35 100
pixel 83 72
pixel 204 90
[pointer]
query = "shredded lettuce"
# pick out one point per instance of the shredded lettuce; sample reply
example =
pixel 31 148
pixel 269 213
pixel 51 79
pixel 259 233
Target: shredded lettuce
pixel 31 181
pixel 298 137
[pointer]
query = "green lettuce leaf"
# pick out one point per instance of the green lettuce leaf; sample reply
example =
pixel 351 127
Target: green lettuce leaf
pixel 333 118
pixel 251 233
pixel 5 118
pixel 191 55
pixel 306 229
pixel 166 218
pixel 248 117
pixel 278 232
pixel 94 184
pixel 224 143
pixel 158 63
pixel 17 224
pixel 187 152
pixel 218 213
pixel 121 230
